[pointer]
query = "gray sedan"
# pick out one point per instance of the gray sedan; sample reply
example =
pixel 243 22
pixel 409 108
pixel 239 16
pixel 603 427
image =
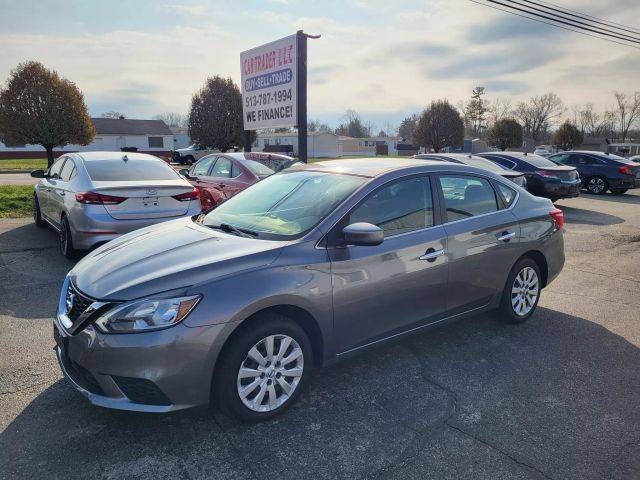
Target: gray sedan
pixel 90 198
pixel 307 267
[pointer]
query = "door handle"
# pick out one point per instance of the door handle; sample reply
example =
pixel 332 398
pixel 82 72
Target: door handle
pixel 506 236
pixel 431 254
pixel 60 192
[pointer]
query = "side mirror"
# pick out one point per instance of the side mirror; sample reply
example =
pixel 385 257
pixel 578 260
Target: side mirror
pixel 184 172
pixel 362 233
pixel 38 174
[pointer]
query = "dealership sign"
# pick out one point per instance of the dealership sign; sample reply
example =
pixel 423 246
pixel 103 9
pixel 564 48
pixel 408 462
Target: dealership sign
pixel 269 85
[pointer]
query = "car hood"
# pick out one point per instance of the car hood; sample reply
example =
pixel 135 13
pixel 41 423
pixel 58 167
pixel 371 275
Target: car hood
pixel 167 256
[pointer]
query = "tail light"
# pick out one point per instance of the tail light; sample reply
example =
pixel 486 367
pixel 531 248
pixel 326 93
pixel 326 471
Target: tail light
pixel 627 170
pixel 93 198
pixel 185 197
pixel 546 173
pixel 558 217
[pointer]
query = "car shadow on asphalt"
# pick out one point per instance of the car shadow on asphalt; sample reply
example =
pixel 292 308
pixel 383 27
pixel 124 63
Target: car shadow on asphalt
pixel 589 217
pixel 554 397
pixel 608 197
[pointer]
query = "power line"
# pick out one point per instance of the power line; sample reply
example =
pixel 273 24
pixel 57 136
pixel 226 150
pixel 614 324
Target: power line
pixel 555 19
pixel 599 20
pixel 563 15
pixel 553 24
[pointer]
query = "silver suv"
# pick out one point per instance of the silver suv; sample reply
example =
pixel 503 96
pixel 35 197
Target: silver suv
pixel 307 267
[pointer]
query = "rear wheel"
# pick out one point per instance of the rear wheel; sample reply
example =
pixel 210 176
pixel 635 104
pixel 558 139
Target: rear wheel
pixel 597 185
pixel 65 240
pixel 619 191
pixel 263 369
pixel 521 293
pixel 37 214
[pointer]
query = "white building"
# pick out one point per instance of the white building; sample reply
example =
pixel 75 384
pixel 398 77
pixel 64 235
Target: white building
pixel 326 145
pixel 319 144
pixel 112 134
pixel 181 138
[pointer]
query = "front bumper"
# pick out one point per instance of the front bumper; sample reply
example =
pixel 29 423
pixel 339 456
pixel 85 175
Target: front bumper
pixel 153 372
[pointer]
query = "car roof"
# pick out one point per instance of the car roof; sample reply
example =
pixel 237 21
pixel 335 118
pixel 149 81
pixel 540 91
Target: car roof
pixel 115 156
pixel 376 166
pixel 472 160
pixel 256 156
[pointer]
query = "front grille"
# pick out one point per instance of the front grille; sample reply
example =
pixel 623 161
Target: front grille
pixel 141 390
pixel 79 303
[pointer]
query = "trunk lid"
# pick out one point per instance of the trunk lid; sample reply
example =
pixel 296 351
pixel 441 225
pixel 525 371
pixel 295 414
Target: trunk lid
pixel 145 199
pixel 563 172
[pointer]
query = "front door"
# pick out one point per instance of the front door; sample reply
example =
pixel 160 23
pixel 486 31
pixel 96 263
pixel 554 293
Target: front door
pixel 49 186
pixel 383 290
pixel 482 240
pixel 198 178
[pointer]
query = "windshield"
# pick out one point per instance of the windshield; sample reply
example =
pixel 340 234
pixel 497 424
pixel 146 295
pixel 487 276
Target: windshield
pixel 258 168
pixel 132 169
pixel 285 205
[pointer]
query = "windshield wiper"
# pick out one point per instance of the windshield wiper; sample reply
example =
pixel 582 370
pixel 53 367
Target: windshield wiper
pixel 225 227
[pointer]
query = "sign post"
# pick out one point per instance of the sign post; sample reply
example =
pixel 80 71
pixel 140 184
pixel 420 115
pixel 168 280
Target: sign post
pixel 274 88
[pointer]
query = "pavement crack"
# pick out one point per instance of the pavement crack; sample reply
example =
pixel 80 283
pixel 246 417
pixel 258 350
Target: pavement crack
pixel 499 450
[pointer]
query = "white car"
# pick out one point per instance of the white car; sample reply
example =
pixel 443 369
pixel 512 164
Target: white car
pixel 543 152
pixel 191 154
pixel 635 158
pixel 90 198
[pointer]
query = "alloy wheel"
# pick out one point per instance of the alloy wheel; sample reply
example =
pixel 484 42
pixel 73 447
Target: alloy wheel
pixel 596 185
pixel 524 291
pixel 270 373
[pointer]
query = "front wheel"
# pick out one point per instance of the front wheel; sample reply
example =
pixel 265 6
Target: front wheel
pixel 619 191
pixel 65 240
pixel 37 213
pixel 263 369
pixel 521 293
pixel 597 185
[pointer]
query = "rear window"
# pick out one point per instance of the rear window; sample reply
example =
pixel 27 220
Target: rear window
pixel 133 169
pixel 258 168
pixel 538 161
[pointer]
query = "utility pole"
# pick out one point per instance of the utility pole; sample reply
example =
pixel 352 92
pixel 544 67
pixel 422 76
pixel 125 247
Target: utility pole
pixel 301 97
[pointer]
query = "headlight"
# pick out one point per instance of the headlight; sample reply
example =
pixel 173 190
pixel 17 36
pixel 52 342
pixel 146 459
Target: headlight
pixel 145 315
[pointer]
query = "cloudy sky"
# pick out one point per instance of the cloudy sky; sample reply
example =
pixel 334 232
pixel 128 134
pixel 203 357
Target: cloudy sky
pixel 385 59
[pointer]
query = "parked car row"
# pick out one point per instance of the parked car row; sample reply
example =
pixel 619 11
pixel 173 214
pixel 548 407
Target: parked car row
pixel 299 270
pixel 601 171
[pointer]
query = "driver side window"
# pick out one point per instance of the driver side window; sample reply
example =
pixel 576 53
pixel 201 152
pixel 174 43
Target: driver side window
pixel 202 167
pixel 401 207
pixel 54 171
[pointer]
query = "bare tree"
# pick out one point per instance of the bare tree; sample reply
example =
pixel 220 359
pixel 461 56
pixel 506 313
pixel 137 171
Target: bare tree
pixel 318 126
pixel 498 109
pixel 475 112
pixel 539 114
pixel 172 119
pixel 628 111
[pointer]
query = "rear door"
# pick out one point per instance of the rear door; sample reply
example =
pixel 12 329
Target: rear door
pixel 482 237
pixel 220 178
pixel 382 290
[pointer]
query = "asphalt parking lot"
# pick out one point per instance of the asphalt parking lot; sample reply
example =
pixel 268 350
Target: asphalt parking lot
pixel 555 398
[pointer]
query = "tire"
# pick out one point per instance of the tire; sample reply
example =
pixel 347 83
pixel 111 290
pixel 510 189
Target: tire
pixel 65 239
pixel 189 160
pixel 619 191
pixel 37 214
pixel 597 185
pixel 512 301
pixel 257 404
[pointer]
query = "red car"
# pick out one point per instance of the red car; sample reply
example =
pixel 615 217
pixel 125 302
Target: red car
pixel 221 175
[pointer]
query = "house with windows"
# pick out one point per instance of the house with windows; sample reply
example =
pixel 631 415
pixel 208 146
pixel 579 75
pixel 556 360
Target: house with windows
pixel 112 134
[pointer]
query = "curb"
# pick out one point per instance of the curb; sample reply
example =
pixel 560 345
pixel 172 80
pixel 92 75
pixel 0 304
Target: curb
pixel 15 171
